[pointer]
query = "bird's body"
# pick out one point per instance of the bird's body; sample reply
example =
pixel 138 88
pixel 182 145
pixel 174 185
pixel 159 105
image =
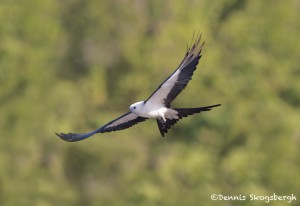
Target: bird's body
pixel 153 111
pixel 158 105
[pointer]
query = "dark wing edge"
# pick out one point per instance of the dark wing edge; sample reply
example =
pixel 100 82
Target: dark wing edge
pixel 182 112
pixel 189 65
pixel 187 68
pixel 123 122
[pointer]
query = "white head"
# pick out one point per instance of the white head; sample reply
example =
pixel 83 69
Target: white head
pixel 136 107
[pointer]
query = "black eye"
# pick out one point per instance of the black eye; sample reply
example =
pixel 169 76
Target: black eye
pixel 133 107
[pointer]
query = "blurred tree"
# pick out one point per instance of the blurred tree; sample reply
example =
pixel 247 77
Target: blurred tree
pixel 74 65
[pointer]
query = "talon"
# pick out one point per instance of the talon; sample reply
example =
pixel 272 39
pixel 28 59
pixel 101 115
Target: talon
pixel 162 116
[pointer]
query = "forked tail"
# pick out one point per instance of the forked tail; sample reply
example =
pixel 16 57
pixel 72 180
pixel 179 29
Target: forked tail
pixel 182 112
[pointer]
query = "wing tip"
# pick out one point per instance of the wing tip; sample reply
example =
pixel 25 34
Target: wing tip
pixel 194 48
pixel 64 137
pixel 71 137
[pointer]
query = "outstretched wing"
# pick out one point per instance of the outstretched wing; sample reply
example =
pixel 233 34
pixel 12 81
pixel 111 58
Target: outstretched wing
pixel 123 122
pixel 178 80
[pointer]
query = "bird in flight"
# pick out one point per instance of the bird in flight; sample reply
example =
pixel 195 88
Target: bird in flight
pixel 158 105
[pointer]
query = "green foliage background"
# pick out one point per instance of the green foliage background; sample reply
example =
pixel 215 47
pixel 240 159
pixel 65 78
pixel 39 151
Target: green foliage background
pixel 73 65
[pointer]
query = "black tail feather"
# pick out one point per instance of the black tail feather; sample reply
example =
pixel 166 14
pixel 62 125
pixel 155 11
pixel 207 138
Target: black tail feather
pixel 164 126
pixel 182 112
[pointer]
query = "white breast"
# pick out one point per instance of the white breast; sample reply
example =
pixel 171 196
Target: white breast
pixel 155 112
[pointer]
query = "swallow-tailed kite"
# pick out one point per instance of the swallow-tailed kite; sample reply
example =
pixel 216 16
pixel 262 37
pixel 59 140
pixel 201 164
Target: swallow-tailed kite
pixel 158 105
